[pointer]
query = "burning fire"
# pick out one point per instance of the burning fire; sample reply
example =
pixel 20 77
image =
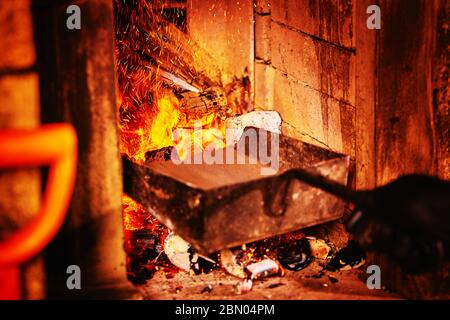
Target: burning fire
pixel 166 125
pixel 166 101
pixel 150 128
pixel 135 218
pixel 144 236
pixel 155 99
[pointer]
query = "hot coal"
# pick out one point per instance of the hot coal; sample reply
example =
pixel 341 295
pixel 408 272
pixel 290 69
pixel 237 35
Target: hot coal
pixel 296 255
pixel 234 260
pixel 349 257
pixel 162 154
pixel 199 264
pixel 142 247
pixel 152 247
pixel 319 248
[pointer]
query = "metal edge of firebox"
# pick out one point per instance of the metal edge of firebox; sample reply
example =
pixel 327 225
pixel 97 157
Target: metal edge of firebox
pixel 190 211
pixel 251 223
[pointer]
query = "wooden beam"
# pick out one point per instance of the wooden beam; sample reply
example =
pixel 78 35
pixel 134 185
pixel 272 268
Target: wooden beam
pixel 404 128
pixel 404 114
pixel 78 86
pixel 366 94
pixel 441 92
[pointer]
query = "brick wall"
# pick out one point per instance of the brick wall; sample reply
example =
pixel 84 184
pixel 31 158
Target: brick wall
pixel 305 68
pixel 224 28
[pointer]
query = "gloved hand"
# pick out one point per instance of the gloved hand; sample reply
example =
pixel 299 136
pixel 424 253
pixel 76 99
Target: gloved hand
pixel 408 220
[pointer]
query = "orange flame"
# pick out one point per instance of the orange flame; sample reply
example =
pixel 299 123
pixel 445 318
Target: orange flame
pixel 147 130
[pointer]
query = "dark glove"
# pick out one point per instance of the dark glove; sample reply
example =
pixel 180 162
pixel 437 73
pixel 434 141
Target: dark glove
pixel 408 220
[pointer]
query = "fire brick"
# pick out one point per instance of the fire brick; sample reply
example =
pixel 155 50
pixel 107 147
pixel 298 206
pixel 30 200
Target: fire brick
pixel 330 20
pixel 264 77
pixel 262 37
pixel 317 116
pixel 319 65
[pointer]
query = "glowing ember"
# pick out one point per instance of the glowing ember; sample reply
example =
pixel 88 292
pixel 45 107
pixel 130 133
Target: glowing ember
pixel 165 121
pixel 144 238
pixel 135 217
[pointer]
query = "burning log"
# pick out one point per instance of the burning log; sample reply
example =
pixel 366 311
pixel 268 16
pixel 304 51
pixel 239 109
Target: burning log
pixel 204 103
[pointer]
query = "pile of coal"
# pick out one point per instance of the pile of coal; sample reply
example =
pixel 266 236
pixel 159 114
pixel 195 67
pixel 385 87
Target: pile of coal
pixel 349 257
pixel 294 252
pixel 249 265
pixel 182 255
pixel 148 252
pixel 142 247
pixel 296 255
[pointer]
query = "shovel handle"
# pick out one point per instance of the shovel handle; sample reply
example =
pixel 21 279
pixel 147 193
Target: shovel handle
pixel 53 145
pixel 319 181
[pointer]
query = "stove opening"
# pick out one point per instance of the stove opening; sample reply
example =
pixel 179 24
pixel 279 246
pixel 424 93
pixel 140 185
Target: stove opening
pixel 252 149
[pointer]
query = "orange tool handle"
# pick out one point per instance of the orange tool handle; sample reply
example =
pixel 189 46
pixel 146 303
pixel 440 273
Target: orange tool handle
pixel 54 145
